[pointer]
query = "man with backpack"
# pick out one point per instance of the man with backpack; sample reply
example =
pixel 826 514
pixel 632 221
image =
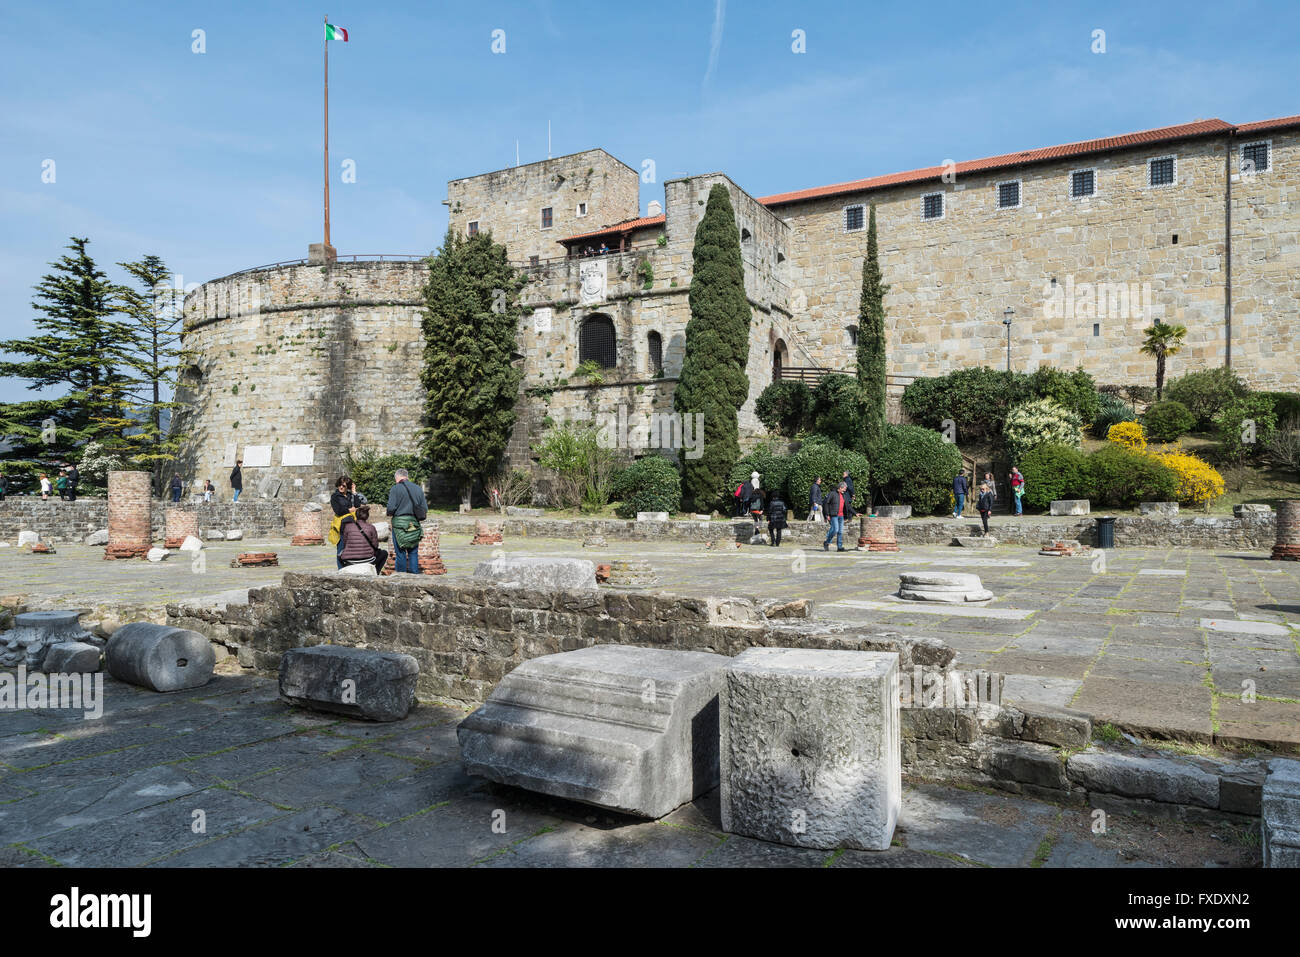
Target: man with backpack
pixel 776 518
pixel 839 509
pixel 407 507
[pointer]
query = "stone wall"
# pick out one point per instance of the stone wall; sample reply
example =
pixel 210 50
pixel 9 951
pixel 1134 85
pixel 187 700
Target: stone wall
pixel 70 522
pixel 467 635
pixel 322 358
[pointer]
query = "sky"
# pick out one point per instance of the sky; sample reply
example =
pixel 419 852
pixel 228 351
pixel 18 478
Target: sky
pixel 212 160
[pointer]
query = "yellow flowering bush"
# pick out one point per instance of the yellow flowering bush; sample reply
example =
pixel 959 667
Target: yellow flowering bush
pixel 1129 435
pixel 1199 483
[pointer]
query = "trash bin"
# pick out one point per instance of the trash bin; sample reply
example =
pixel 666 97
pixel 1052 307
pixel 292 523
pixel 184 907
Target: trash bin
pixel 1106 531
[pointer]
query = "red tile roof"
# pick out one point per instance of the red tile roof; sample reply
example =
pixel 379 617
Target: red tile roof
pixel 1162 135
pixel 627 226
pixel 1279 123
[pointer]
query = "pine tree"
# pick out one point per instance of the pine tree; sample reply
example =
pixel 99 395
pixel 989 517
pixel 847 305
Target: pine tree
pixel 155 309
pixel 80 348
pixel 713 382
pixel 872 349
pixel 471 322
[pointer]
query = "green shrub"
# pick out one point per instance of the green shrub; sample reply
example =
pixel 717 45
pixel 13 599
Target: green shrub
pixel 1286 405
pixel 915 467
pixel 836 410
pixel 1206 393
pixel 785 408
pixel 650 484
pixel 1054 472
pixel 373 472
pixel 1040 422
pixel 820 456
pixel 1075 391
pixel 1245 427
pixel 976 400
pixel 1111 410
pixel 582 469
pixel 1168 421
pixel 773 469
pixel 1119 477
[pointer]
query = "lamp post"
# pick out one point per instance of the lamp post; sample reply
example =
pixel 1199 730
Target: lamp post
pixel 1007 315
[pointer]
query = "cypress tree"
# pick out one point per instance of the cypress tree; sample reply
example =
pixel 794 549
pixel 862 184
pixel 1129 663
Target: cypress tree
pixel 713 382
pixel 872 349
pixel 80 348
pixel 470 322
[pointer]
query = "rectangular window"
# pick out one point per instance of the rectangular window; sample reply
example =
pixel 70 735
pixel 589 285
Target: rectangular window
pixel 853 219
pixel 546 218
pixel 1096 329
pixel 582 209
pixel 1161 171
pixel 532 260
pixel 1009 194
pixel 932 206
pixel 473 228
pixel 1083 182
pixel 1254 158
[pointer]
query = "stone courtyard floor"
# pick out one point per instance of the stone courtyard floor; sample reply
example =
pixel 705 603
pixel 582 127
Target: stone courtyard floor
pixel 1171 643
pixel 228 775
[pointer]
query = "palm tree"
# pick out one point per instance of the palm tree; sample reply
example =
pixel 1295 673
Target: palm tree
pixel 1163 340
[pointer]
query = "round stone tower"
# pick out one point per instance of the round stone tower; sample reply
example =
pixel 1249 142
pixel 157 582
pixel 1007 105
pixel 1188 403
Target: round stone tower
pixel 289 366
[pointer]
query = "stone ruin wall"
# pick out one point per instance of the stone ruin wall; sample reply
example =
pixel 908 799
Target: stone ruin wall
pixel 306 355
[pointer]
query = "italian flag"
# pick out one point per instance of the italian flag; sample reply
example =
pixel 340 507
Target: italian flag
pixel 335 33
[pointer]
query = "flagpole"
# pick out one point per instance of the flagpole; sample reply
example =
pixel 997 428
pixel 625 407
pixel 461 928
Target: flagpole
pixel 325 34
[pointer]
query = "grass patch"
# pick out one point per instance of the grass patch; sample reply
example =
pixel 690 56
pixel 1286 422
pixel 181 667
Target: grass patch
pixel 1106 732
pixel 1045 849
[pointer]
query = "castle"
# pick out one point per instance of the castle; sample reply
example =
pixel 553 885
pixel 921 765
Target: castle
pixel 1058 256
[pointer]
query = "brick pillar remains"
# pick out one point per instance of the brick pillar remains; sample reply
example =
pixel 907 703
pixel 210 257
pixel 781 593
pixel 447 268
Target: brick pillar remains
pixel 1288 532
pixel 307 529
pixel 485 534
pixel 877 535
pixel 428 552
pixel 130 528
pixel 180 523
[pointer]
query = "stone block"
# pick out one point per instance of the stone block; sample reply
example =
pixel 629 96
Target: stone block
pixel 1280 799
pixel 810 747
pixel 191 544
pixel 1281 845
pixel 652 516
pixel 28 538
pixel 269 487
pixel 358 682
pixel 1158 509
pixel 156 554
pixel 1071 506
pixel 976 541
pixel 520 512
pixel 1024 763
pixel 214 535
pixel 953 588
pixel 1251 510
pixel 567 574
pixel 1241 788
pixel 893 511
pixel 159 657
pixel 382 531
pixel 1057 726
pixel 99 537
pixel 630 729
pixel 364 570
pixel 71 657
pixel 234 535
pixel 1156 778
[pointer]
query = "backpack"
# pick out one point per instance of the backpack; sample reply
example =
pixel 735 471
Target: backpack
pixel 738 488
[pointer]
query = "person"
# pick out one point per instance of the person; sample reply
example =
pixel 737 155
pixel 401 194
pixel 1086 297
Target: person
pixel 993 486
pixel 407 507
pixel 176 487
pixel 74 479
pixel 61 484
pixel 341 500
pixel 359 544
pixel 45 487
pixel 756 498
pixel 847 479
pixel 815 501
pixel 208 490
pixel 985 505
pixel 237 479
pixel 959 490
pixel 1017 489
pixel 4 486
pixel 839 509
pixel 744 492
pixel 776 518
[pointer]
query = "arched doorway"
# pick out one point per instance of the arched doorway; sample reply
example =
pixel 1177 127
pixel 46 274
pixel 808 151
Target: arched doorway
pixel 597 341
pixel 780 359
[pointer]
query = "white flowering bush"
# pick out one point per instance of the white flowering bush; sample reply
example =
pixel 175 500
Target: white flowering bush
pixel 1041 422
pixel 96 462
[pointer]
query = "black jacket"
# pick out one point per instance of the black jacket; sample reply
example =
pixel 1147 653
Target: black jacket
pixel 756 498
pixel 341 502
pixel 985 503
pixel 237 479
pixel 830 505
pixel 848 481
pixel 815 496
pixel 776 513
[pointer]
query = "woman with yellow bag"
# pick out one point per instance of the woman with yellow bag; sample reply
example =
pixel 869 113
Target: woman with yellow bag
pixel 344 510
